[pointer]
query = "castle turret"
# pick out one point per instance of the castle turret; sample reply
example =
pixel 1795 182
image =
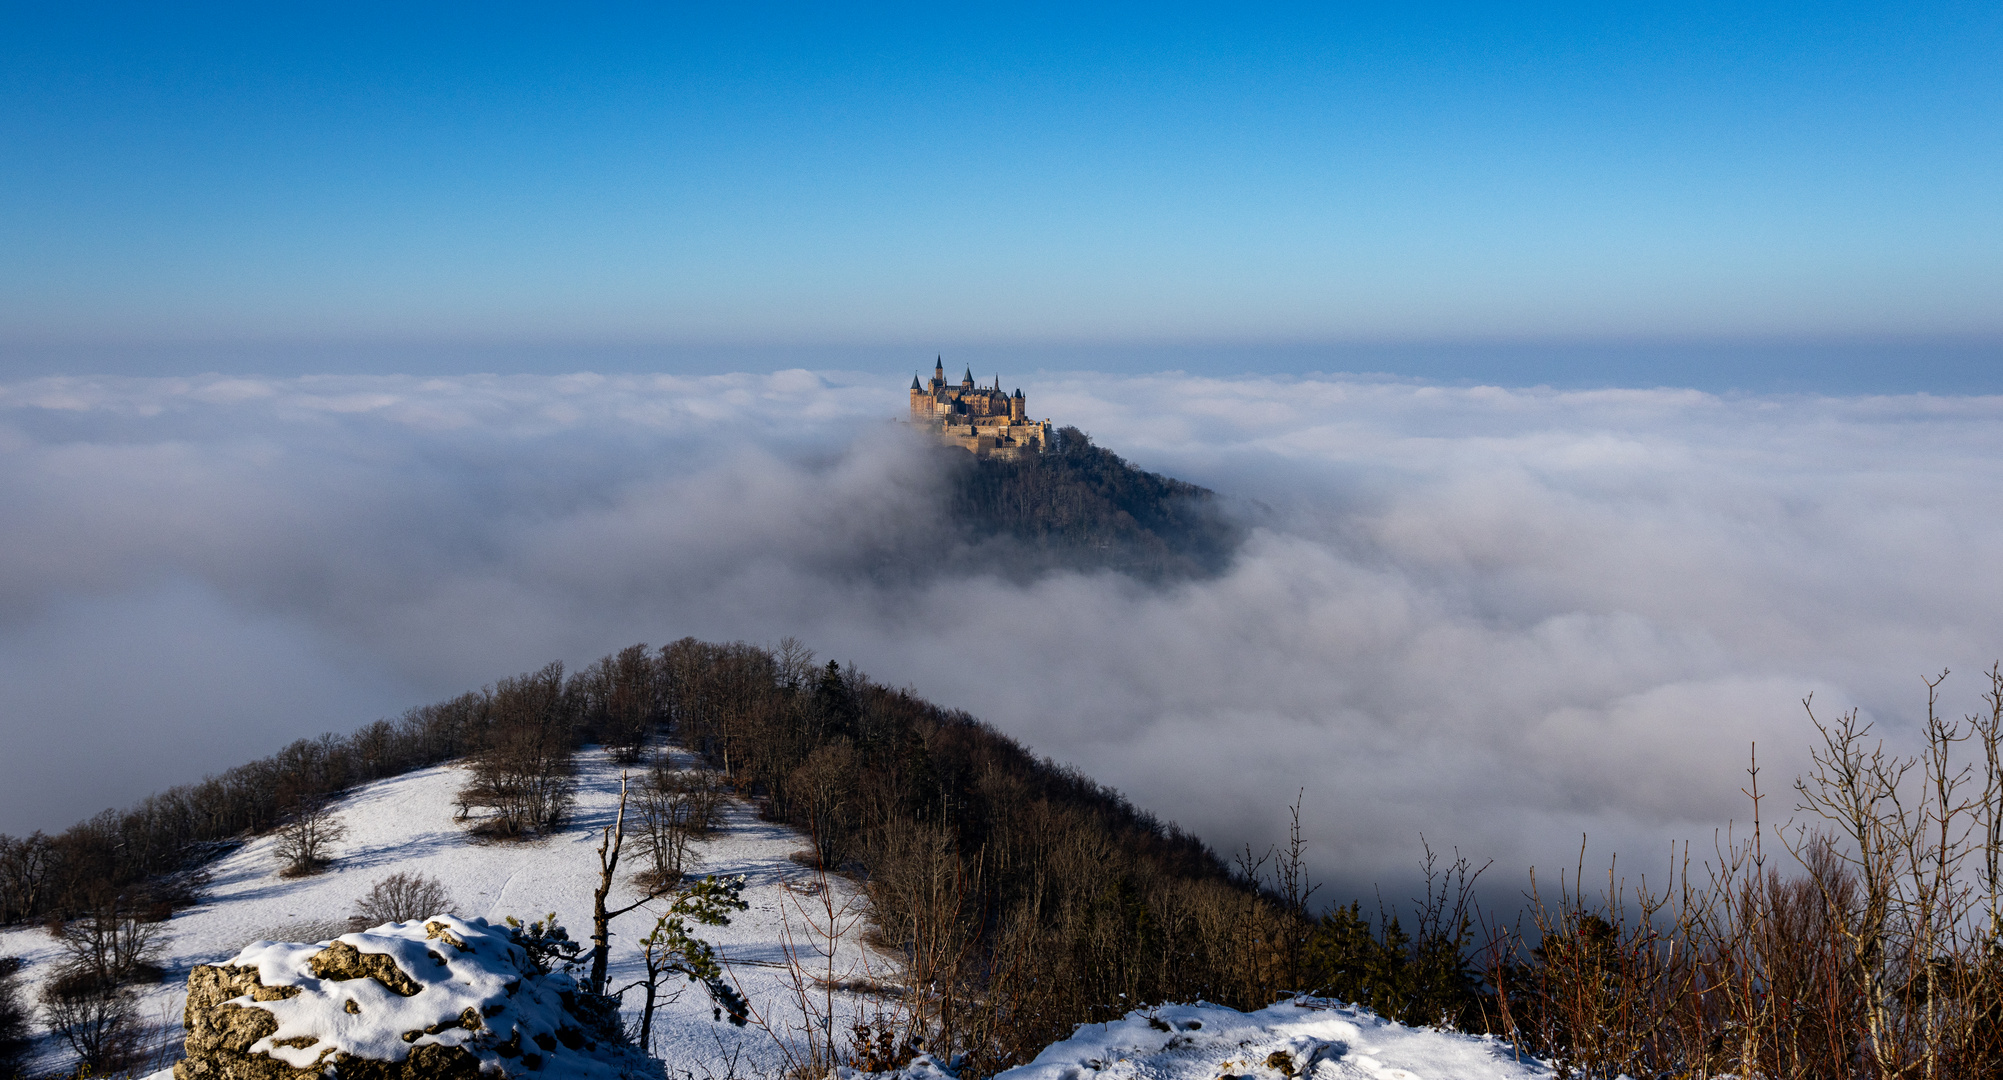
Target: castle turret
pixel 921 402
pixel 967 380
pixel 938 374
pixel 1018 409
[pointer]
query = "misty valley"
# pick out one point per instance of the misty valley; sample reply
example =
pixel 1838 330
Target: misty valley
pixel 722 857
pixel 740 860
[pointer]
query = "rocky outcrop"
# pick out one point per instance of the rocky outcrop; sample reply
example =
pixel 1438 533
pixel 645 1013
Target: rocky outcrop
pixel 448 999
pixel 221 1031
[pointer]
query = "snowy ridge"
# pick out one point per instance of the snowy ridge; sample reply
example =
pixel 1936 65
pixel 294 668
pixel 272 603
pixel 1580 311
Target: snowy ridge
pixel 1305 1038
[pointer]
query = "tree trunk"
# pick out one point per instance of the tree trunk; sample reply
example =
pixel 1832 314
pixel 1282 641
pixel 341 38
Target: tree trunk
pixel 601 917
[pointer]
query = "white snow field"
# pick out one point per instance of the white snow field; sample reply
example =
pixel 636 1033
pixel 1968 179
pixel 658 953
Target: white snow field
pixel 406 824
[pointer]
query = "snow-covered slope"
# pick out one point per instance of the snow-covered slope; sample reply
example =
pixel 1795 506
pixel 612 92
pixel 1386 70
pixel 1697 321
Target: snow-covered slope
pixel 1314 1040
pixel 406 824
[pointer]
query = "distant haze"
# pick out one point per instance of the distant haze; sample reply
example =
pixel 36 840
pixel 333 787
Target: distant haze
pixel 1498 618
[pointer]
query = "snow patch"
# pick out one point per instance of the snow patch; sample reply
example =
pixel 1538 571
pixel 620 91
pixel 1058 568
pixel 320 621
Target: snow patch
pixel 1306 1038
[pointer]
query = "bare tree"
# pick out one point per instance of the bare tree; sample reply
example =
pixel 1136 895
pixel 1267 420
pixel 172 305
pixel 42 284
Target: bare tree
pixel 622 701
pixel 107 948
pixel 403 897
pixel 306 836
pixel 796 665
pixel 97 1025
pixel 632 703
pixel 675 807
pixel 613 838
pixel 524 774
pixel 25 866
pixel 920 892
pixel 823 787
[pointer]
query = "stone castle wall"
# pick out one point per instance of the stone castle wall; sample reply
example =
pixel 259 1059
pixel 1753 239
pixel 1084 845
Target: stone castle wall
pixel 982 419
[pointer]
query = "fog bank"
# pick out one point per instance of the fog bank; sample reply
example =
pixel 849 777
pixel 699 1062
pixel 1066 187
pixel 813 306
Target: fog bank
pixel 1499 618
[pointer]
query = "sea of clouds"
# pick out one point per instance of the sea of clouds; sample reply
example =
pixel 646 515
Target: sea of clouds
pixel 1500 618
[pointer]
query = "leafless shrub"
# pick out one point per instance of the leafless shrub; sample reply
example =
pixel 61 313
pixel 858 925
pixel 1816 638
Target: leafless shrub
pixel 1603 984
pixel 1875 955
pixel 816 967
pixel 402 897
pixel 306 837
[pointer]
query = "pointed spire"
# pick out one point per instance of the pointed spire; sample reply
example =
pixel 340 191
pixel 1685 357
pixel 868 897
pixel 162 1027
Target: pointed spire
pixel 914 383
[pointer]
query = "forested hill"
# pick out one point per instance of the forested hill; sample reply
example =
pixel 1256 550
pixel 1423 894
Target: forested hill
pixel 1025 897
pixel 1081 506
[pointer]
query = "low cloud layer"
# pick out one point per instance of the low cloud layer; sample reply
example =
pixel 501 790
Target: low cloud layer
pixel 1500 618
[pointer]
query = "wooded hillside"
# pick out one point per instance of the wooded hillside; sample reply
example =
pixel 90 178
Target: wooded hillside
pixel 1081 506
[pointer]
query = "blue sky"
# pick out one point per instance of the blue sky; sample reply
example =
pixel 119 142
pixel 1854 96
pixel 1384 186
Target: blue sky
pixel 1781 196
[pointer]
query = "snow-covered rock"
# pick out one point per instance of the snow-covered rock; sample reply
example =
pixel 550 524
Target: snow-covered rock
pixel 923 1067
pixel 1307 1039
pixel 443 998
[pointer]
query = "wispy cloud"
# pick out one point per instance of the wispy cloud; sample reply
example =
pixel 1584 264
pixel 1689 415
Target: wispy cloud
pixel 1497 617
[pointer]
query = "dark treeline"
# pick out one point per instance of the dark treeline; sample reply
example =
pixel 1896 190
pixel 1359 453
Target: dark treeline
pixel 1081 506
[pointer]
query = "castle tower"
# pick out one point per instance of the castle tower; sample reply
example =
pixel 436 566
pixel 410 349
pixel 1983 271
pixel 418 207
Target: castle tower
pixel 967 381
pixel 939 375
pixel 919 399
pixel 1018 409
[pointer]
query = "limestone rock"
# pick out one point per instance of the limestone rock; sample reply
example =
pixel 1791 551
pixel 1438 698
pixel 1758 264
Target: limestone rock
pixel 340 960
pixel 221 1032
pixel 449 999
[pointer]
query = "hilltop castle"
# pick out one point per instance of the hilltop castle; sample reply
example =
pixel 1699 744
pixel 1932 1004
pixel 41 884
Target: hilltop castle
pixel 982 419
